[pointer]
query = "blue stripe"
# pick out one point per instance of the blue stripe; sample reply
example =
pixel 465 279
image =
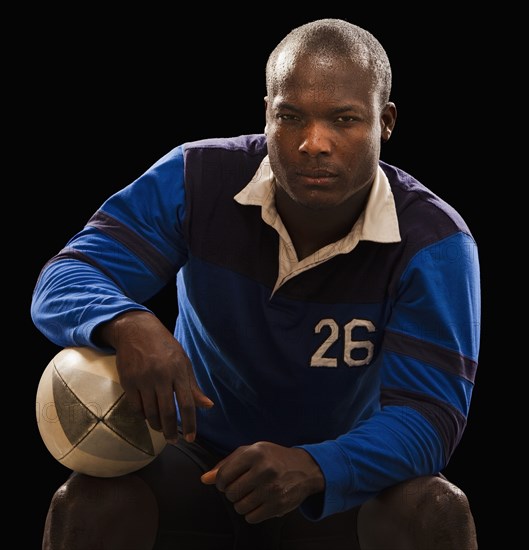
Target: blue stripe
pixel 440 297
pixel 407 373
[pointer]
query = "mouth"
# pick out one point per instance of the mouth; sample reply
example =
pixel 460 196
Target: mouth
pixel 317 176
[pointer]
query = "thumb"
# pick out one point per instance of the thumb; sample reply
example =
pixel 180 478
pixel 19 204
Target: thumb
pixel 209 477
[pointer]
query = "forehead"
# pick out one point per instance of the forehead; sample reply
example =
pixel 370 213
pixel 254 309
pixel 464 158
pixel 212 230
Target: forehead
pixel 322 78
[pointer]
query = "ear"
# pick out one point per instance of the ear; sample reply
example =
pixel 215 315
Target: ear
pixel 266 108
pixel 388 117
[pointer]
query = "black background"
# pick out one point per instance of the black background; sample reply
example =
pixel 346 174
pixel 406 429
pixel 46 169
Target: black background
pixel 109 96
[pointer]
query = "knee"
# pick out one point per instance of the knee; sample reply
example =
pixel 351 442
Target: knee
pixel 90 512
pixel 103 496
pixel 425 512
pixel 435 507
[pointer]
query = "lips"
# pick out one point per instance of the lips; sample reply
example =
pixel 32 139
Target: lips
pixel 317 177
pixel 317 174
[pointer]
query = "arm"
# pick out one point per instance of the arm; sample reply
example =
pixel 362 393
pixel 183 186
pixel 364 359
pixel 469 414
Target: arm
pixel 428 364
pixel 153 367
pixel 91 294
pixel 429 358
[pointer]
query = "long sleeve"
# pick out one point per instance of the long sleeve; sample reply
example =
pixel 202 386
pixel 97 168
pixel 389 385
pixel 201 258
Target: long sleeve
pixel 130 248
pixel 429 361
pixel 375 350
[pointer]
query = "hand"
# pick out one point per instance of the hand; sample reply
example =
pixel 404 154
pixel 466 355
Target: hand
pixel 265 480
pixel 153 368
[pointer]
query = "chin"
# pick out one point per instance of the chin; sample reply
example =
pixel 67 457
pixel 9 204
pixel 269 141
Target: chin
pixel 317 204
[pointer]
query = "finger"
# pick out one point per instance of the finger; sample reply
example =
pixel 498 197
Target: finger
pixel 233 467
pixel 133 398
pixel 249 507
pixel 186 406
pixel 244 493
pixel 264 512
pixel 209 477
pixel 167 411
pixel 279 501
pixel 255 509
pixel 259 514
pixel 200 399
pixel 150 409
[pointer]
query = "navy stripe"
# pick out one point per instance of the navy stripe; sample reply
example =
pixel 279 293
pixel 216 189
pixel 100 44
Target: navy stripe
pixel 153 259
pixel 447 360
pixel 72 254
pixel 447 420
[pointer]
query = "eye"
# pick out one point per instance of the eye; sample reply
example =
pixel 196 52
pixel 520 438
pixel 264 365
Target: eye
pixel 287 117
pixel 346 119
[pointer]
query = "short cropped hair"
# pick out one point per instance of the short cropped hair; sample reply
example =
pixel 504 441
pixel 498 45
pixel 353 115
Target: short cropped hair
pixel 333 38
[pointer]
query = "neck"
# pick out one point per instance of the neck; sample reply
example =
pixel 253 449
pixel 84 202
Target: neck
pixel 311 230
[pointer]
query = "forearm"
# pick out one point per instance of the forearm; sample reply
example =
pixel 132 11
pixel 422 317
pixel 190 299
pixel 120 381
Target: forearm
pixel 131 328
pixel 391 446
pixel 72 298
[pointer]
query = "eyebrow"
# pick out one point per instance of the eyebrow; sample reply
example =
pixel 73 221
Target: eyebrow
pixel 335 111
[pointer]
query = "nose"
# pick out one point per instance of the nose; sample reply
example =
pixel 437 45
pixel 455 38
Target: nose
pixel 316 140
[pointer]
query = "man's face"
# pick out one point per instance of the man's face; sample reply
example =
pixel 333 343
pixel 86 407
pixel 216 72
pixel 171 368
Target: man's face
pixel 323 128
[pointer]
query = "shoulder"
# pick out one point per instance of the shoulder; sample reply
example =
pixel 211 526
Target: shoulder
pixel 227 164
pixel 251 144
pixel 419 208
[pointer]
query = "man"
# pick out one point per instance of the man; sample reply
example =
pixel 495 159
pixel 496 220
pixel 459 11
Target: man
pixel 321 369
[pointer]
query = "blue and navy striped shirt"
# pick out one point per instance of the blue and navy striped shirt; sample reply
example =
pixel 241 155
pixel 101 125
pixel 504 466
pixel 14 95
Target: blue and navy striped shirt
pixel 364 354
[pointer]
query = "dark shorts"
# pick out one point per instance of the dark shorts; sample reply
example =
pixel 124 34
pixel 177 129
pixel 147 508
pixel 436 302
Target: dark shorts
pixel 196 516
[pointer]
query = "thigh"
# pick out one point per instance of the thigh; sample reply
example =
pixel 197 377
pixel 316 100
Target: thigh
pixel 338 532
pixel 197 516
pixel 191 515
